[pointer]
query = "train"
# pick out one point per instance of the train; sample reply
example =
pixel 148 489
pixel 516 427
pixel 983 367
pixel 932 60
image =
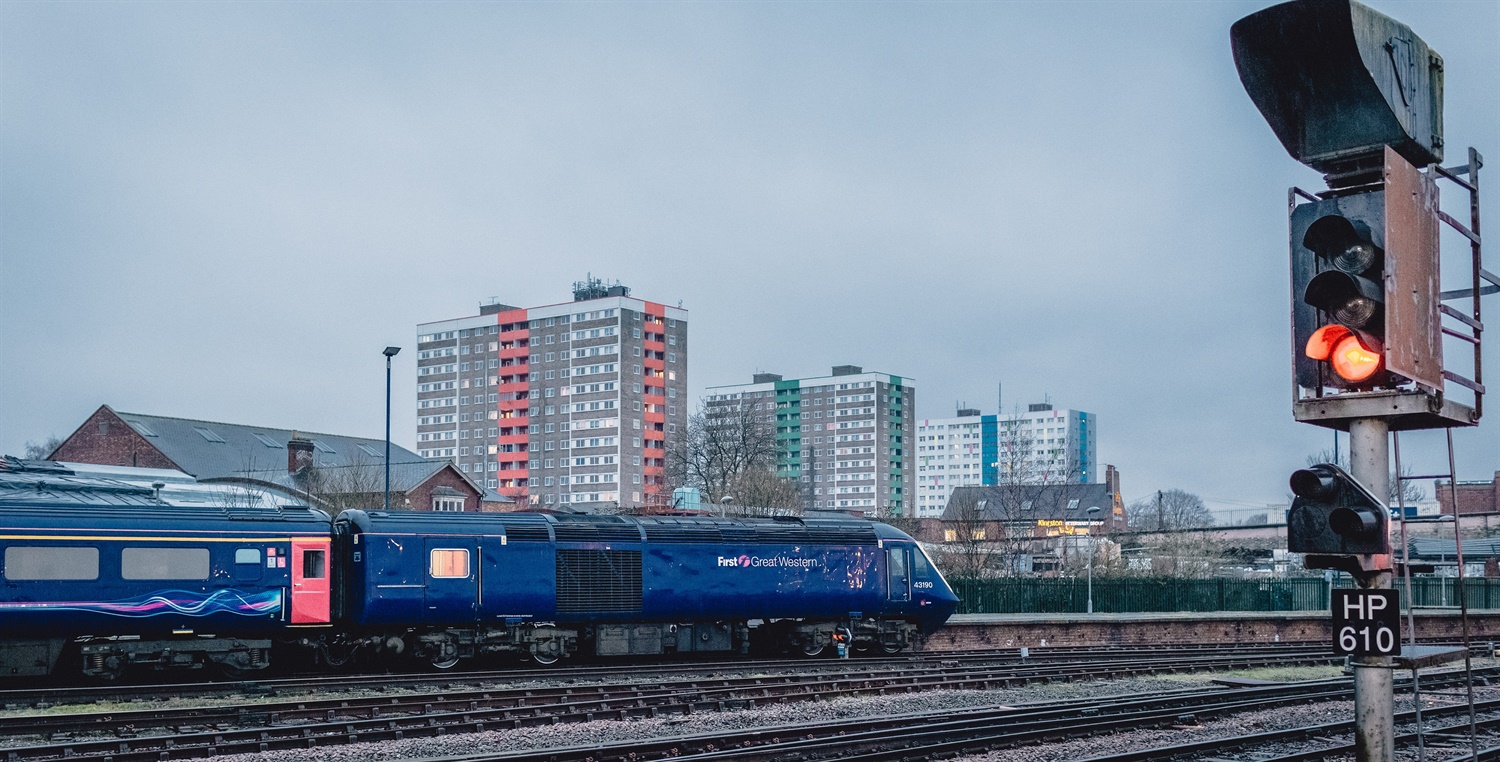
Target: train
pixel 102 589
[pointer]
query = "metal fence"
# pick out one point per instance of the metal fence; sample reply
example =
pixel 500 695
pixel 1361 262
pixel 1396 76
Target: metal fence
pixel 1144 594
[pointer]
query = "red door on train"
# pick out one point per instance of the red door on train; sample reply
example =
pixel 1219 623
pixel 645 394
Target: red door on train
pixel 310 596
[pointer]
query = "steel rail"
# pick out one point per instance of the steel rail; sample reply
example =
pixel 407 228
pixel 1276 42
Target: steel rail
pixel 930 735
pixel 21 697
pixel 427 715
pixel 1305 732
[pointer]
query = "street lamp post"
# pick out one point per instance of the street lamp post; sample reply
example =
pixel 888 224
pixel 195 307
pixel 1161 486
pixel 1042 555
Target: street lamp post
pixel 389 353
pixel 1090 605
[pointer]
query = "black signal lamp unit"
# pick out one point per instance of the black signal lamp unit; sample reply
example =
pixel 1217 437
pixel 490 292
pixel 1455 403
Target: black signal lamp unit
pixel 1335 517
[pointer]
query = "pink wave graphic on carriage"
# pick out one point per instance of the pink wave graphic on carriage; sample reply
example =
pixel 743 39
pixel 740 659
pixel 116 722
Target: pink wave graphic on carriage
pixel 184 602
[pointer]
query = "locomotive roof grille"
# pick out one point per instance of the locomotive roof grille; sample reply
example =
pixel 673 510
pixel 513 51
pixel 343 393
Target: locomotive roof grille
pixel 529 531
pixel 588 528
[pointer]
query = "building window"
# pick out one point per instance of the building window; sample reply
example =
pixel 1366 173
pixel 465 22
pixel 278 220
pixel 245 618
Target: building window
pixel 450 505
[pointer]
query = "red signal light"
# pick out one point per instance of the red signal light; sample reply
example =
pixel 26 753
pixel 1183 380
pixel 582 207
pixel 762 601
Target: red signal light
pixel 1355 357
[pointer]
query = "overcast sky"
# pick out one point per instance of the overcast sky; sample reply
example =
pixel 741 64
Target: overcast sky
pixel 226 210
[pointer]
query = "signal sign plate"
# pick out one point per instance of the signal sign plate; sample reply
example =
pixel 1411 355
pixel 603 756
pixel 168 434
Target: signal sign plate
pixel 1366 622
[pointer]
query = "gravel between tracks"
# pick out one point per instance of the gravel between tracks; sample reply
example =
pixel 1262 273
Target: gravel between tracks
pixel 1244 723
pixel 785 714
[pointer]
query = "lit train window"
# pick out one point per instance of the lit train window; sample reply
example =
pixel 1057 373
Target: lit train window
pixel 164 563
pixel 448 562
pixel 24 563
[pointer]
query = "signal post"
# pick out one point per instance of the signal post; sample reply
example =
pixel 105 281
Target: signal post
pixel 1358 96
pixel 1374 695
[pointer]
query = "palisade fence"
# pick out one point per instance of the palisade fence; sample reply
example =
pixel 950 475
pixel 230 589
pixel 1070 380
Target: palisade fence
pixel 1069 595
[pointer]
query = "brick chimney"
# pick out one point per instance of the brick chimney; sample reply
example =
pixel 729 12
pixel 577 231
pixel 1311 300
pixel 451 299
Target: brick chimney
pixel 299 453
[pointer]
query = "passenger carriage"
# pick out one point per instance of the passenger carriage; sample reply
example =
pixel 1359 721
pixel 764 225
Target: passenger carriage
pixel 144 584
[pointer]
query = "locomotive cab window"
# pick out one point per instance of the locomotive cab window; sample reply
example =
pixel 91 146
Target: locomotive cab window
pixel 919 565
pixel 314 563
pixel 247 556
pixel 41 563
pixel 448 562
pixel 164 563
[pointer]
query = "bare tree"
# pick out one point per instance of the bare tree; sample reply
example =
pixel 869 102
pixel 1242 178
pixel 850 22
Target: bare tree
pixel 1186 555
pixel 1411 492
pixel 760 492
pixel 968 548
pixel 43 449
pixel 1036 480
pixel 359 484
pixel 723 443
pixel 1169 509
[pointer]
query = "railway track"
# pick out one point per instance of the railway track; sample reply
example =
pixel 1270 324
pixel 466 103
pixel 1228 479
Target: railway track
pixel 42 697
pixel 1488 722
pixel 939 736
pixel 260 727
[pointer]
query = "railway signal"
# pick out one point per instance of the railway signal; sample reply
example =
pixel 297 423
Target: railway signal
pixel 1358 96
pixel 1335 518
pixel 1348 294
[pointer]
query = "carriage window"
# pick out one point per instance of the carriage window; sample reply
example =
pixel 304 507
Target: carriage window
pixel 449 563
pixel 313 564
pixel 247 556
pixel 23 563
pixel 164 563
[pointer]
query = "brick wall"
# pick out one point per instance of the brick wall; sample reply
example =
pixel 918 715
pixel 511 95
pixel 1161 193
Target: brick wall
pixel 421 495
pixel 1480 497
pixel 1147 630
pixel 107 440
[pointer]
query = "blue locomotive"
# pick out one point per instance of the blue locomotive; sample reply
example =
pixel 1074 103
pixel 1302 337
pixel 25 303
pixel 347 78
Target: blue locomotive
pixel 106 586
pixel 450 586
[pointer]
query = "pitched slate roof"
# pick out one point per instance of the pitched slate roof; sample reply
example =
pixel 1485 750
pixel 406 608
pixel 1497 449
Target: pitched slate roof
pixel 404 476
pixel 1027 502
pixel 208 449
pixel 1437 549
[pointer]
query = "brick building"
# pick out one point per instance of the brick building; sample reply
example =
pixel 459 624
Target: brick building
pixel 567 405
pixel 1474 498
pixel 326 470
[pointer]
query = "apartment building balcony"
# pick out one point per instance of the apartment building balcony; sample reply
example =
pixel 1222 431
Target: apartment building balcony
pixel 511 353
pixel 515 387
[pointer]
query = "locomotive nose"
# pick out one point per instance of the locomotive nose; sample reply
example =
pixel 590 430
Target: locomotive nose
pixel 938 607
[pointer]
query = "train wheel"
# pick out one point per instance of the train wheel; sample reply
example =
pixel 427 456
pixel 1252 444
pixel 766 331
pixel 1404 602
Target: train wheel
pixel 445 655
pixel 812 648
pixel 546 652
pixel 105 667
